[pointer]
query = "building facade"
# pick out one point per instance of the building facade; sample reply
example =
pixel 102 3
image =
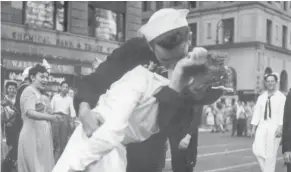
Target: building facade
pixel 69 35
pixel 256 36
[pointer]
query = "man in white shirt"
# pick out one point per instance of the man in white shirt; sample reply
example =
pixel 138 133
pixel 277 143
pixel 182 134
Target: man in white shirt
pixel 62 103
pixel 267 124
pixel 241 119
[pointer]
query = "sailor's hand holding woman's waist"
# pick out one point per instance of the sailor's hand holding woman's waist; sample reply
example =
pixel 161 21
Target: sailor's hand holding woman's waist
pixel 89 119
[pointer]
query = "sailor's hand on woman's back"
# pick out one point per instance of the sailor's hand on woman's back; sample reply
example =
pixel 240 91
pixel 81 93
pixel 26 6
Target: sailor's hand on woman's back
pixel 88 120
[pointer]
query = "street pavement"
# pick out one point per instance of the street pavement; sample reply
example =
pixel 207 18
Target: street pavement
pixel 222 153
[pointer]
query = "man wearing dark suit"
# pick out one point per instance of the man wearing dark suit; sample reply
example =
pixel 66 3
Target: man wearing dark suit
pixel 150 154
pixel 175 109
pixel 183 142
pixel 286 136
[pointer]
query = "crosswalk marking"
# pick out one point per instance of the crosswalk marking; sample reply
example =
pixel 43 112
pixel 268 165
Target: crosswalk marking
pixel 235 166
pixel 219 153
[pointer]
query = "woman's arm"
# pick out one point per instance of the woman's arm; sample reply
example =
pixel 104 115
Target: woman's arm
pixel 39 115
pixel 29 101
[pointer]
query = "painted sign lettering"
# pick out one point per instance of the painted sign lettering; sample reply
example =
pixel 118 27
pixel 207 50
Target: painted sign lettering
pixel 64 40
pixel 21 65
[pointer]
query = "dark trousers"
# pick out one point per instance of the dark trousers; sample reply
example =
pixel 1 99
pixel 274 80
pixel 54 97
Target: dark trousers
pixel 288 167
pixel 241 126
pixel 183 160
pixel 12 135
pixel 148 156
pixel 234 126
pixel 61 134
pixel 8 164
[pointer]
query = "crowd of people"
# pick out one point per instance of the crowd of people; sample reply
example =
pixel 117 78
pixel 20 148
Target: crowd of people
pixel 229 116
pixel 129 108
pixel 45 129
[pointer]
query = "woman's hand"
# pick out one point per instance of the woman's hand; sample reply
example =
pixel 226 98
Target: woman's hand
pixel 179 79
pixel 56 118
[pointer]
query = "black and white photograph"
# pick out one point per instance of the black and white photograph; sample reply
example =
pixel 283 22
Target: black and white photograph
pixel 145 86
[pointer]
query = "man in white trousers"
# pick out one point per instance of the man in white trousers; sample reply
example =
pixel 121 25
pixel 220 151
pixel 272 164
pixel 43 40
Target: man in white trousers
pixel 267 124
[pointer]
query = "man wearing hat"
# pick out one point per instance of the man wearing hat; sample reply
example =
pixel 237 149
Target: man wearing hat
pixel 166 41
pixel 267 124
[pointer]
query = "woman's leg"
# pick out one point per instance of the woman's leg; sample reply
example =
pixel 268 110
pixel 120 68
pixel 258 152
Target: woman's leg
pixel 261 162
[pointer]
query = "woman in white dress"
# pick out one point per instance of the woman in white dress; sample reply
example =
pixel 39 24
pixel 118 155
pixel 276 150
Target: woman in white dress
pixel 209 116
pixel 128 111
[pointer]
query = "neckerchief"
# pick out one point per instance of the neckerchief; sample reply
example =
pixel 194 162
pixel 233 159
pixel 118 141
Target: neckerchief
pixel 268 103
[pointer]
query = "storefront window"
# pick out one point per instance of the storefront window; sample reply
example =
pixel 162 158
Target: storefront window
pixel 17 12
pixel 106 24
pixel 46 14
pixel 193 27
pixel 228 30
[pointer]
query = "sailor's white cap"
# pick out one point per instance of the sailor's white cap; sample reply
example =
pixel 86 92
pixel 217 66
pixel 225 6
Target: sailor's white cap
pixel 162 21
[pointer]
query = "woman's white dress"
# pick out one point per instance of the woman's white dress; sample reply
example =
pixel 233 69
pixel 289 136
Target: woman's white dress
pixel 210 116
pixel 130 112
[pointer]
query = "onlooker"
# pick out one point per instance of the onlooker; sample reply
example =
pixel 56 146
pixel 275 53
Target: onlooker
pixel 241 119
pixel 286 137
pixel 267 124
pixel 71 92
pixel 35 148
pixel 62 104
pixel 11 89
pixel 234 116
pixel 249 114
pixel 220 117
pixel 9 164
pixel 210 117
pixel 9 111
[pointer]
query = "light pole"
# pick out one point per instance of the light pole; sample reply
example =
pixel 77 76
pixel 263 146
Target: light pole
pixel 218 26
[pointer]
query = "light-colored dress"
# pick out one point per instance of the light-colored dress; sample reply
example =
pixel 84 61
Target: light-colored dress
pixel 35 148
pixel 219 117
pixel 210 116
pixel 130 110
